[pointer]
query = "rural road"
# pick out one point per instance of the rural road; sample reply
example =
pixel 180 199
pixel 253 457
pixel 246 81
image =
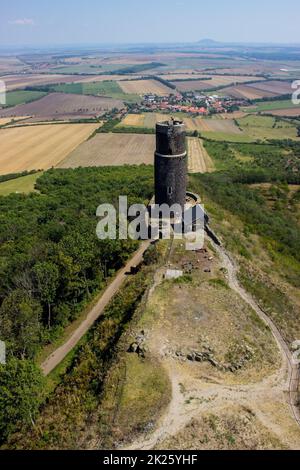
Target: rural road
pixel 57 356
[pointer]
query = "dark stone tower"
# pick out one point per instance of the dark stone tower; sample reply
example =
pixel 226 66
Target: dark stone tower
pixel 170 163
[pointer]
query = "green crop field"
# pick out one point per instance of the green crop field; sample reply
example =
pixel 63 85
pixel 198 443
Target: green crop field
pixel 226 137
pixel 270 106
pixel 24 184
pixel 90 69
pixel 13 98
pixel 106 88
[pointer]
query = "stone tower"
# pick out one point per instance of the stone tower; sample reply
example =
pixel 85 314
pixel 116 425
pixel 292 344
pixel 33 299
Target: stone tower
pixel 170 163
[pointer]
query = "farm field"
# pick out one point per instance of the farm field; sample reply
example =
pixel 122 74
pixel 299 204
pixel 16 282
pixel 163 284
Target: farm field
pixel 219 125
pixel 266 89
pixel 249 128
pixel 293 112
pixel 105 65
pixel 103 78
pixel 107 88
pixel 39 147
pixel 81 69
pixel 214 82
pixel 146 120
pixel 112 150
pixel 24 184
pixel 227 137
pixel 133 120
pixel 14 98
pixel 276 108
pixel 271 106
pixel 234 115
pixel 11 64
pixel 130 149
pixel 216 124
pixel 181 75
pixel 149 120
pixel 142 87
pixel 276 87
pixel 246 92
pixel 14 82
pixel 199 160
pixel 60 106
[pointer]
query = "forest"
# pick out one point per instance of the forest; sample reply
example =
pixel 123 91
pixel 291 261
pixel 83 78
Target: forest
pixel 52 265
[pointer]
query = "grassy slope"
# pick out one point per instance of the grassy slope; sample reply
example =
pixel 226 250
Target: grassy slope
pixel 257 128
pixel 24 184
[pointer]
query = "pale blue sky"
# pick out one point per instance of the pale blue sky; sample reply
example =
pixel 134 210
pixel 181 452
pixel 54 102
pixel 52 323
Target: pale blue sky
pixel 43 22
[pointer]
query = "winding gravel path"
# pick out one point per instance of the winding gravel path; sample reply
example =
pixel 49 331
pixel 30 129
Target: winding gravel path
pixel 291 367
pixel 179 414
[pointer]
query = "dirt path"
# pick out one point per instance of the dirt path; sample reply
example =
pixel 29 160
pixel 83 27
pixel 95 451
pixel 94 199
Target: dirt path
pixel 57 357
pixel 208 396
pixel 291 368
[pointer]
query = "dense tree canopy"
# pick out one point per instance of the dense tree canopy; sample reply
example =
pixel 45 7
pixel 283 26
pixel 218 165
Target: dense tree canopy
pixel 51 261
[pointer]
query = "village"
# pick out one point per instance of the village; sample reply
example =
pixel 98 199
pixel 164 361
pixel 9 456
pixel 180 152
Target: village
pixel 189 102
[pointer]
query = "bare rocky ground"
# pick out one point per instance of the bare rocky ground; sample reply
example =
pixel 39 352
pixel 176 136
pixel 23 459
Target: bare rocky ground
pixel 228 375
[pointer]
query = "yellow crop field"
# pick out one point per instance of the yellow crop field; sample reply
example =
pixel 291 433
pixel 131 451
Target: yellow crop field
pixel 133 120
pixel 39 147
pixel 148 120
pixel 199 160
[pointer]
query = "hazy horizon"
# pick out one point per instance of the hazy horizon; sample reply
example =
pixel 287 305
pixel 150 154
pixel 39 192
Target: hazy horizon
pixel 36 24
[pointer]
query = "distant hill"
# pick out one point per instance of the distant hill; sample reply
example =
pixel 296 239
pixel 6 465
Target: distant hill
pixel 208 42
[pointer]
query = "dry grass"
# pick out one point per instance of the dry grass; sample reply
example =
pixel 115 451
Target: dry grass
pixel 199 160
pixel 39 147
pixel 142 87
pixel 147 120
pixel 232 428
pixel 133 120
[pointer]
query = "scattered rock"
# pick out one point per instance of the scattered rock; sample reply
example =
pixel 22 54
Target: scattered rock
pixel 138 346
pixel 133 348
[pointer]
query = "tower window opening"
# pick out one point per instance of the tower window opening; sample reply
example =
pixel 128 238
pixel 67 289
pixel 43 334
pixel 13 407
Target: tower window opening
pixel 170 191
